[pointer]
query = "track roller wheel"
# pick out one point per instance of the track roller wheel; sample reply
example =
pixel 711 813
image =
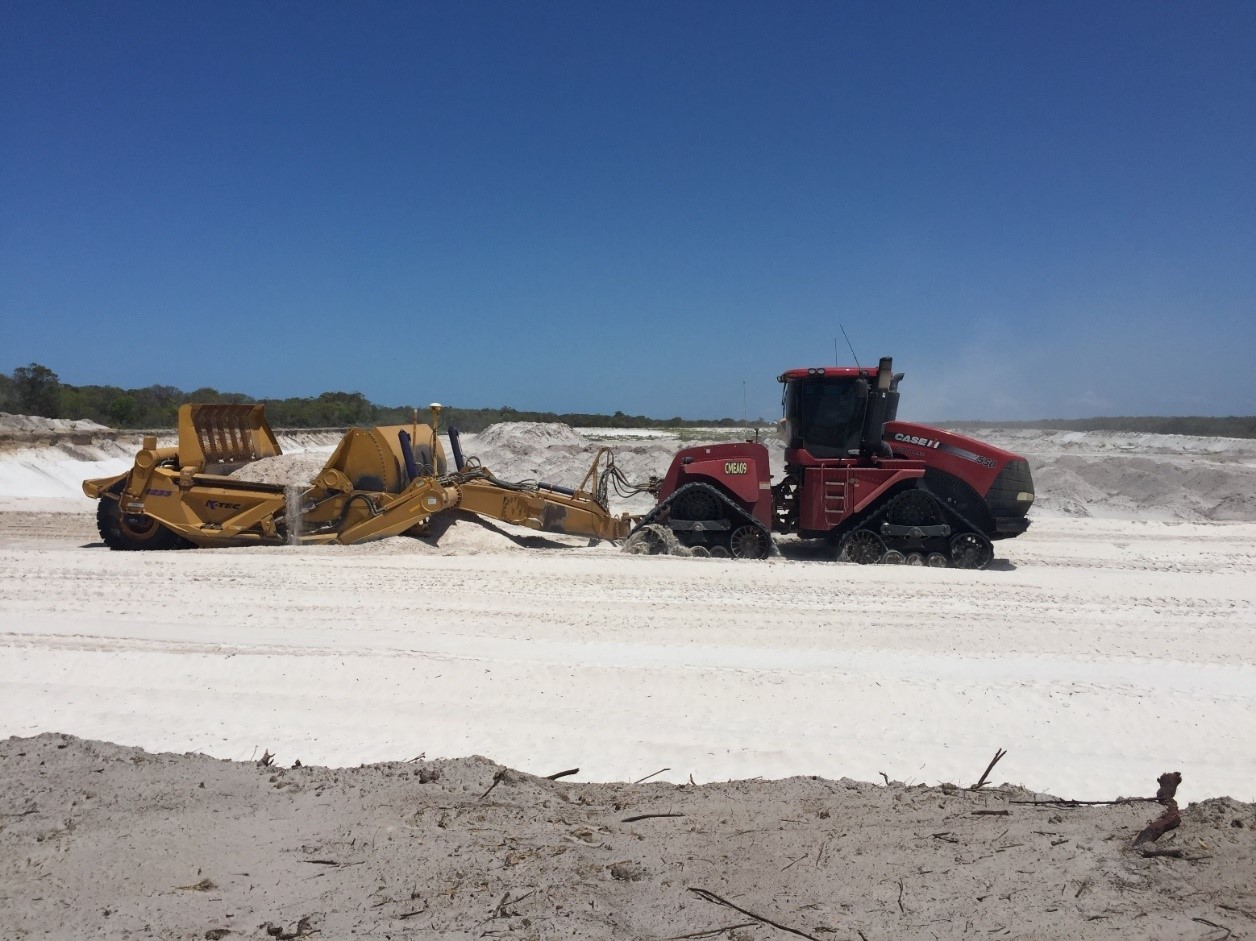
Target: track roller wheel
pixel 719 552
pixel 936 560
pixel 130 532
pixel 971 551
pixel 893 557
pixel 915 558
pixel 749 542
pixel 700 552
pixel 862 546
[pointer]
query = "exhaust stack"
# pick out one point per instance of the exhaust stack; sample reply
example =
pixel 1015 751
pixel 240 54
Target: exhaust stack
pixel 872 440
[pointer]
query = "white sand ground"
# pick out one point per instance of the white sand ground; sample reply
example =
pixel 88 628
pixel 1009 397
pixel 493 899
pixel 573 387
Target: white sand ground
pixel 1099 650
pixel 1100 653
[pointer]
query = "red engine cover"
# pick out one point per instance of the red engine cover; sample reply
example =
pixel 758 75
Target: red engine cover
pixel 973 461
pixel 740 469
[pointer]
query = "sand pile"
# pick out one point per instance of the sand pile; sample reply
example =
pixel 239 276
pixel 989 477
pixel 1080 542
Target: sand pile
pixel 57 469
pixel 10 422
pixel 556 454
pixel 525 436
pixel 1040 440
pixel 289 470
pixel 1144 488
pixel 531 451
pixel 1127 475
pixel 101 839
pixel 296 440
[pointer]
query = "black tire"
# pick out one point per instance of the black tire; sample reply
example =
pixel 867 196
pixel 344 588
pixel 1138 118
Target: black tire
pixel 131 532
pixel 971 551
pixel 863 547
pixel 749 542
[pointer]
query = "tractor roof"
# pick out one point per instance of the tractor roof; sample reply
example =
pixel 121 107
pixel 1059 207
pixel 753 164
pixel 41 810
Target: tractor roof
pixel 840 372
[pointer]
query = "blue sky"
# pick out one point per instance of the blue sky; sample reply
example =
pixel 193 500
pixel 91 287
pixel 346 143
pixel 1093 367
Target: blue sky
pixel 1039 209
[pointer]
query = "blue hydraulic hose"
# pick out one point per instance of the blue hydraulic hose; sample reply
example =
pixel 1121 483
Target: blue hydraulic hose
pixel 407 453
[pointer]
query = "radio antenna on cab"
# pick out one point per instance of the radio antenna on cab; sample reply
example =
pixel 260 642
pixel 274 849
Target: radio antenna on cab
pixel 842 327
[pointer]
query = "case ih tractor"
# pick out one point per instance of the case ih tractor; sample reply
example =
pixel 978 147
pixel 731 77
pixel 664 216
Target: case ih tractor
pixel 881 490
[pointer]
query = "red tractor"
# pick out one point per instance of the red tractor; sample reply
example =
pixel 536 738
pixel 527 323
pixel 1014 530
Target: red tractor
pixel 880 490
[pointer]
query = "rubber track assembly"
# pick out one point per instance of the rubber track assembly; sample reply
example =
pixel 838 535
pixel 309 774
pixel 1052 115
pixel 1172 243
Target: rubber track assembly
pixel 735 516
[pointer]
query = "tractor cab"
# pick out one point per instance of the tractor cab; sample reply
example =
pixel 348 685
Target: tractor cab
pixel 837 412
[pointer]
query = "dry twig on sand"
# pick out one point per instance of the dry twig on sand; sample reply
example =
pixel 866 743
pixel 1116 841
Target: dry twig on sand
pixel 498 776
pixel 647 817
pixel 562 774
pixel 1213 924
pixel 1069 802
pixel 999 753
pixel 503 907
pixel 712 897
pixel 648 776
pixel 711 931
pixel 1171 818
pixel 204 885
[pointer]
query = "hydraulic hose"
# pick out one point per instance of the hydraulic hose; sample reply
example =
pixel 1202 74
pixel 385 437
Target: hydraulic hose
pixel 407 453
pixel 456 447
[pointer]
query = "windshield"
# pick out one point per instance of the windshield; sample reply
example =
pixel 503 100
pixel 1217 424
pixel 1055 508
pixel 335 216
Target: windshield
pixel 824 415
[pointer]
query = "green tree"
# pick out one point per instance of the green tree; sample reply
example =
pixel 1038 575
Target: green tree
pixel 38 391
pixel 122 411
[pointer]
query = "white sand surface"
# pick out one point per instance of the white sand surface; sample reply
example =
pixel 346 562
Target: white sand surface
pixel 1115 641
pixel 1100 650
pixel 1100 654
pixel 36 423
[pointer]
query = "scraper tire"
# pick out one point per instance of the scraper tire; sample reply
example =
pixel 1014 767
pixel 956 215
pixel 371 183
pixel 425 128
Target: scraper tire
pixel 130 531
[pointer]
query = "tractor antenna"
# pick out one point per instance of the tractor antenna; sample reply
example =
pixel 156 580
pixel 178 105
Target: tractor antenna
pixel 848 343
